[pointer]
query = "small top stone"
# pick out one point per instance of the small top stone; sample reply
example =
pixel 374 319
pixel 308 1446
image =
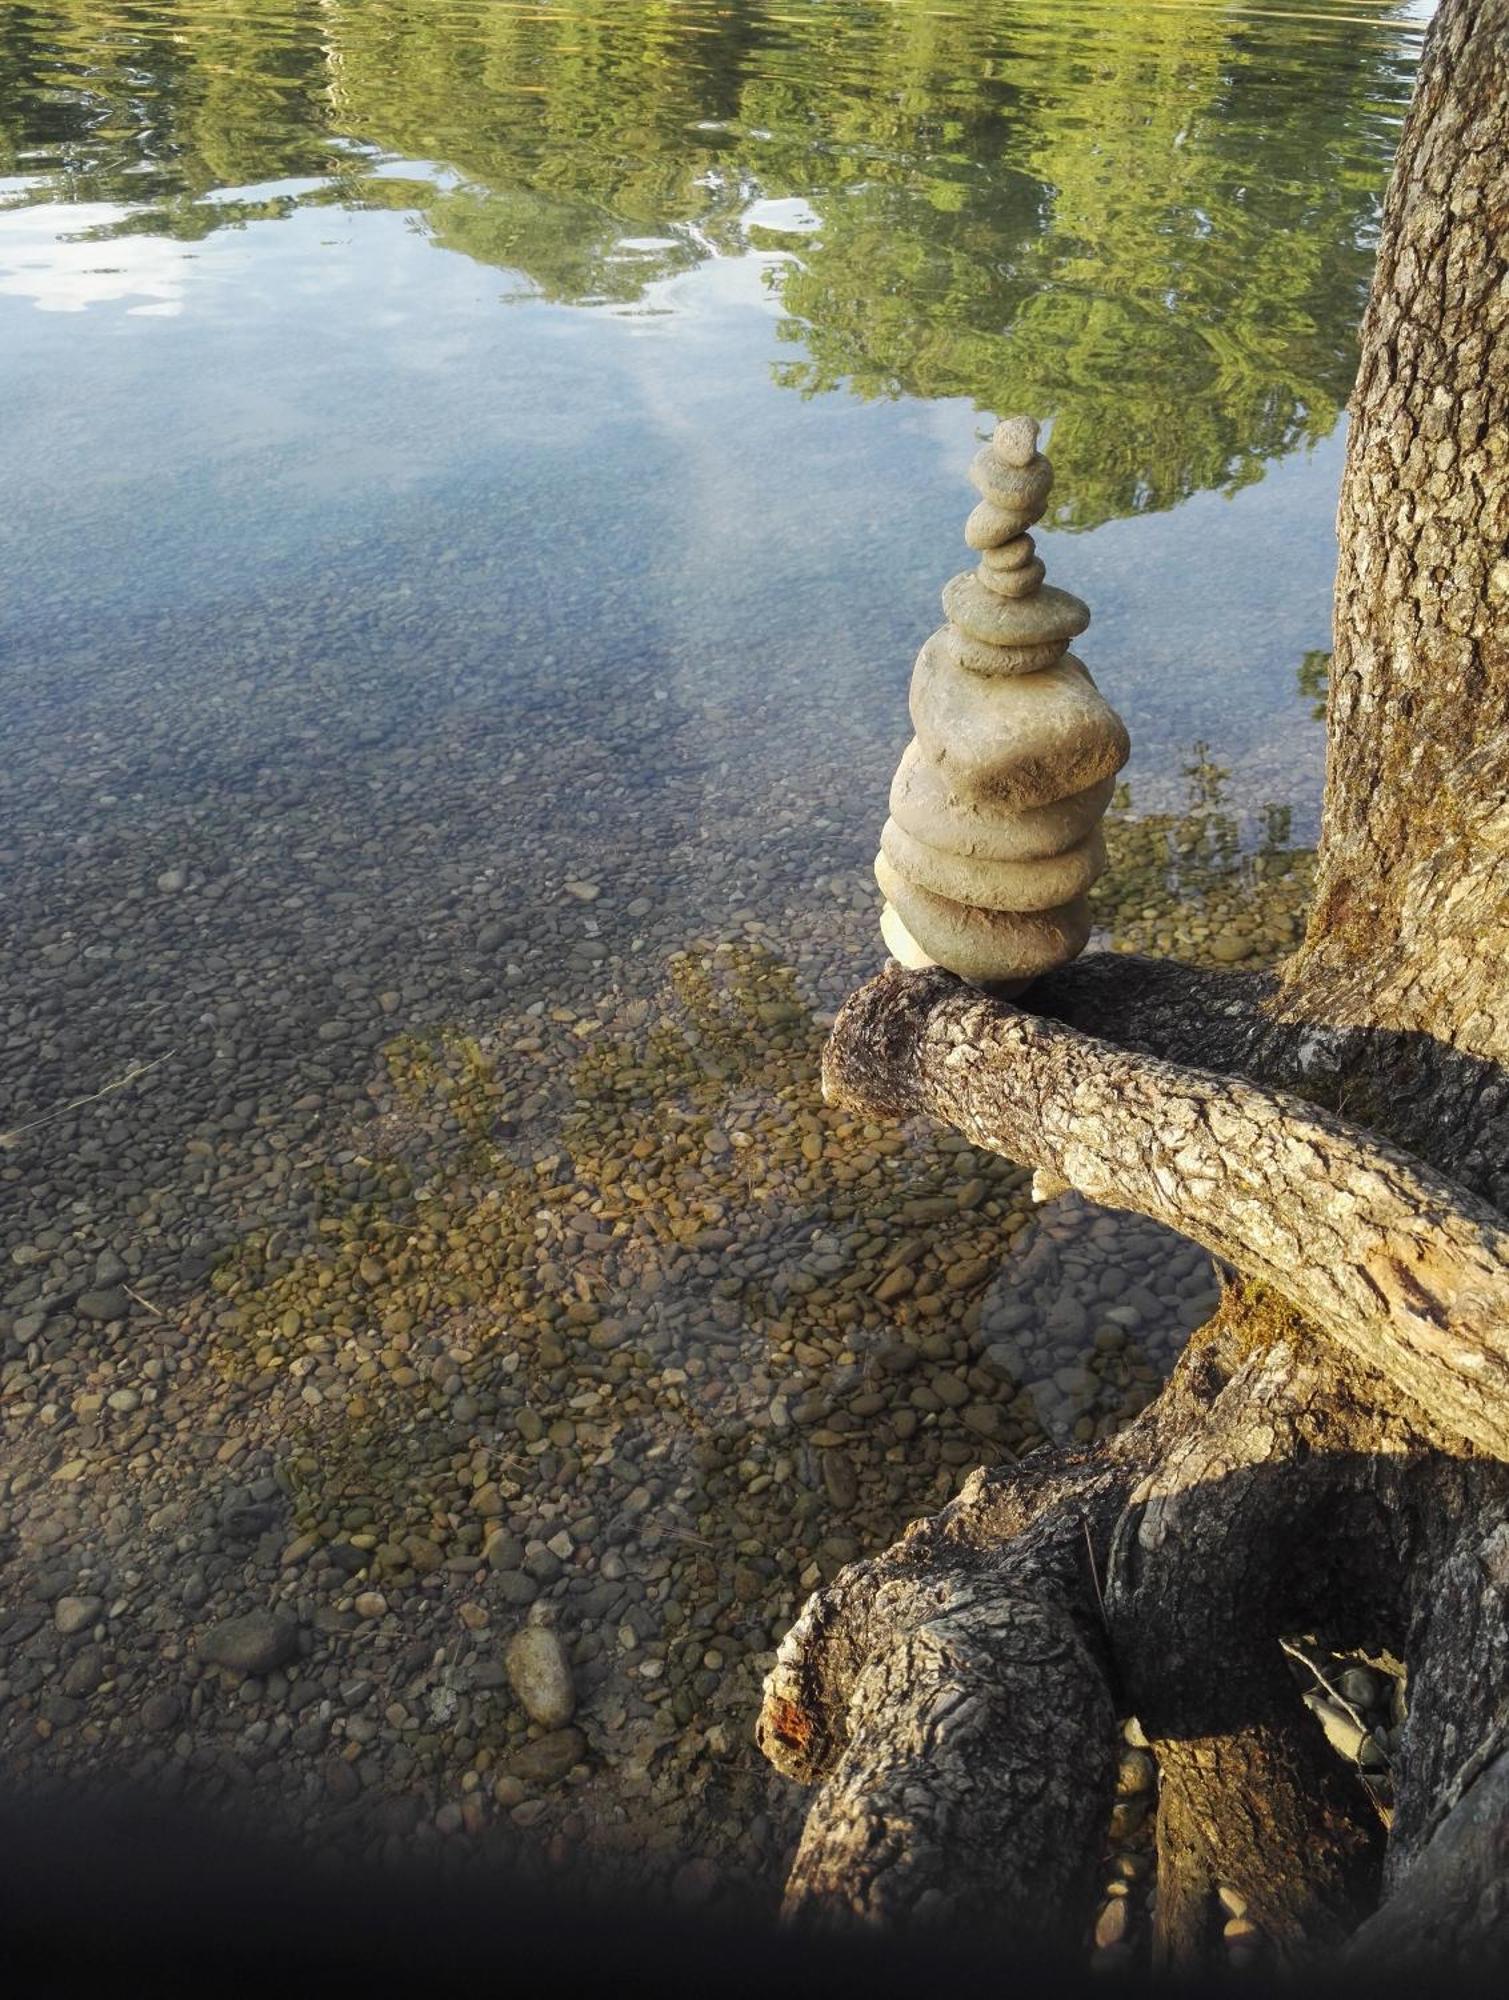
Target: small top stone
pixel 1015 440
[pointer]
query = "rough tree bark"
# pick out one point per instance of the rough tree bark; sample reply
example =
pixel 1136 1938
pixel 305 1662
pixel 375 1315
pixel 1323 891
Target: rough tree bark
pixel 1332 1451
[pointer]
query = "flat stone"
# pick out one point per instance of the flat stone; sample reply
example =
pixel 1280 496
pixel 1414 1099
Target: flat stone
pixel 1013 582
pixel 994 661
pixel 108 1302
pixel 996 948
pixel 1049 617
pixel 1025 741
pixel 1013 554
pixel 989 526
pixel 996 885
pixel 925 802
pixel 540 1675
pixel 1019 489
pixel 547 1759
pixel 253 1644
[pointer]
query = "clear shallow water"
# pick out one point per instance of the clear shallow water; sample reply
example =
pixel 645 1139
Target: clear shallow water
pixel 291 294
pixel 478 477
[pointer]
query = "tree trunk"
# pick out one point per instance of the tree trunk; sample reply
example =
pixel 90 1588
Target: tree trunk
pixel 1331 1454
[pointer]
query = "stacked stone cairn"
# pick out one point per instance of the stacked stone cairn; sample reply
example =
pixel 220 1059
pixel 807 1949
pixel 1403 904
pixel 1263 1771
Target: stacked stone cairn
pixel 994 835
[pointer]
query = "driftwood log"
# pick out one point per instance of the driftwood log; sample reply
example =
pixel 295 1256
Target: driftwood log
pixel 1331 1453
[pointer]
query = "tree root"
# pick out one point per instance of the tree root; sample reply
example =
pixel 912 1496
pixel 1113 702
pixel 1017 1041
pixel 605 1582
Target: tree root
pixel 1405 1271
pixel 954 1699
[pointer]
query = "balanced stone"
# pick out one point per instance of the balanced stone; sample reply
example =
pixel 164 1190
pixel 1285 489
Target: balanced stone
pixel 988 526
pixel 1009 555
pixel 1000 948
pixel 1016 489
pixel 1014 440
pixel 1051 616
pixel 925 803
pixel 994 839
pixel 1012 582
pixel 1024 741
pixel 979 658
pixel 990 884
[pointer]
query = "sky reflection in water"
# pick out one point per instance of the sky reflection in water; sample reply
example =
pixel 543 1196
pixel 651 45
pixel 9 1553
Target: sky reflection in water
pixel 267 274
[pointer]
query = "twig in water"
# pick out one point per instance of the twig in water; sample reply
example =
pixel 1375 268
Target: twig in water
pixel 78 1103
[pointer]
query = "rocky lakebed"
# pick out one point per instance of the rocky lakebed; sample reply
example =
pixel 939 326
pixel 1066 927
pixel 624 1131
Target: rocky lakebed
pixel 434 1380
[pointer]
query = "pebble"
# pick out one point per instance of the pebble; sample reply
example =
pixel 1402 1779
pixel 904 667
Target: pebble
pixel 546 1759
pixel 254 1643
pixel 540 1675
pixel 105 1303
pixel 76 1614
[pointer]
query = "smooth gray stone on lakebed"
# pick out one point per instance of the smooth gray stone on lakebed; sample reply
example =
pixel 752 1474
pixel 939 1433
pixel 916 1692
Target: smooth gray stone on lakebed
pixel 255 1643
pixel 547 1759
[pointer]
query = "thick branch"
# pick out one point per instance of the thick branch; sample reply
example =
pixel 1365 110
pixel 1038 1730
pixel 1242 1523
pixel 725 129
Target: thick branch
pixel 1405 1271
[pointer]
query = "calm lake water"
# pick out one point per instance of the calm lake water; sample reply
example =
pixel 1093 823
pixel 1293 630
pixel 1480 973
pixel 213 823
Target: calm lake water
pixel 477 477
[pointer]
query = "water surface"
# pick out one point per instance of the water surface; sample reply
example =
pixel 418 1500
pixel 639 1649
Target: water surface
pixel 477 478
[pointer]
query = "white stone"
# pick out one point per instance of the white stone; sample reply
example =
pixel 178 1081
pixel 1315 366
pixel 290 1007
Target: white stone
pixel 540 1675
pixel 900 943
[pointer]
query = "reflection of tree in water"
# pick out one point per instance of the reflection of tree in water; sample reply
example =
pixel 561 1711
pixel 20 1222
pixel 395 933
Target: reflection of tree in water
pixel 1313 675
pixel 1208 884
pixel 1150 224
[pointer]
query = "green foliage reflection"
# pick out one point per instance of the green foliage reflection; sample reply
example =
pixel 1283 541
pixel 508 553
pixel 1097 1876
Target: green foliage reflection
pixel 1149 222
